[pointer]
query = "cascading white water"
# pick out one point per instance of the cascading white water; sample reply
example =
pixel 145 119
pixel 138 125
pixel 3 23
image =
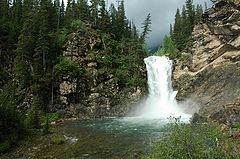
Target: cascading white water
pixel 161 101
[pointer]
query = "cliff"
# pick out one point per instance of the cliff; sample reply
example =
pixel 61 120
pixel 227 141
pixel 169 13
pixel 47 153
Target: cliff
pixel 209 71
pixel 102 89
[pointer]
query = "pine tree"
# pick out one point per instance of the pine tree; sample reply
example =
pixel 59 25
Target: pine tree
pixel 69 13
pixel 191 15
pixel 94 11
pixel 16 13
pixel 113 18
pixel 121 20
pixel 4 6
pixel 104 18
pixel 52 14
pixel 42 43
pixel 61 15
pixel 185 33
pixel 146 27
pixel 26 44
pixel 171 31
pixel 177 32
pixel 199 13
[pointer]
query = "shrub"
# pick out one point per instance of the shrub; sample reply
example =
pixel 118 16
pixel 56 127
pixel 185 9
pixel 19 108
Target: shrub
pixel 5 146
pixel 194 141
pixel 68 67
pixel 11 125
pixel 58 139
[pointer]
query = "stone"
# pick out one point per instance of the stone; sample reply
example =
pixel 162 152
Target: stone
pixel 236 42
pixel 210 75
pixel 97 93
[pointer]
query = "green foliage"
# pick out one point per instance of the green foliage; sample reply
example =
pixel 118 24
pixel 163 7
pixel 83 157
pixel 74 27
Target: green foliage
pixel 11 124
pixel 33 116
pixel 169 48
pixel 32 37
pixel 58 139
pixel 146 27
pixel 194 141
pixel 135 81
pixel 78 25
pixel 5 146
pixel 68 67
pixel 48 118
pixel 184 24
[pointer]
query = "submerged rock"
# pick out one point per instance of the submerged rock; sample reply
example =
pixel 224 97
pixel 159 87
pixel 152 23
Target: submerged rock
pixel 210 71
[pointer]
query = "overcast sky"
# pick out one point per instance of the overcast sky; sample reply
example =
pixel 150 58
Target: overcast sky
pixel 162 13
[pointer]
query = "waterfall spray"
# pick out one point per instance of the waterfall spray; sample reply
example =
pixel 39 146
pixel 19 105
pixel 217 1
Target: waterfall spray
pixel 161 102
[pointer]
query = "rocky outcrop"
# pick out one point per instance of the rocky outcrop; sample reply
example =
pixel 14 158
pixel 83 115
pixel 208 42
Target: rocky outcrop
pixel 96 93
pixel 210 72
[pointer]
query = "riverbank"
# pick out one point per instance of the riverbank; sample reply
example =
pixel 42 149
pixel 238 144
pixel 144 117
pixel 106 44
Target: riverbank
pixel 128 138
pixel 197 140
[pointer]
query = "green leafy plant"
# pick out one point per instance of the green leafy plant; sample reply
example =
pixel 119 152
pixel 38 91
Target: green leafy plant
pixel 194 141
pixel 5 146
pixel 68 67
pixel 58 139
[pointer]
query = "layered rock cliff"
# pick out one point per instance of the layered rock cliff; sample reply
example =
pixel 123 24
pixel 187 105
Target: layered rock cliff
pixel 209 72
pixel 97 92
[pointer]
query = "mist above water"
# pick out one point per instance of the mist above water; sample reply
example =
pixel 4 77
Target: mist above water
pixel 161 102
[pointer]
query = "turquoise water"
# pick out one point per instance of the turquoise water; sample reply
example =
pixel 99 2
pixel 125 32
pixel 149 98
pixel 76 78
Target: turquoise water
pixel 112 138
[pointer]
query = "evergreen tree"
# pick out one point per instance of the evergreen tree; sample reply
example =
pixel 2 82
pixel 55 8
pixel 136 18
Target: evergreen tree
pixel 171 31
pixel 61 15
pixel 146 27
pixel 25 47
pixel 104 18
pixel 53 14
pixel 16 13
pixel 94 11
pixel 113 18
pixel 199 13
pixel 177 32
pixel 4 6
pixel 190 11
pixel 83 10
pixel 68 18
pixel 185 33
pixel 121 20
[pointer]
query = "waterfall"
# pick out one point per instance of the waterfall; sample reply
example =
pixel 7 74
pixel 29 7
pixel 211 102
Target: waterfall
pixel 161 102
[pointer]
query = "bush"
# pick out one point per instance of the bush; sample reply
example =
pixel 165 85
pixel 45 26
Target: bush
pixel 135 81
pixel 5 146
pixel 194 141
pixel 11 125
pixel 32 119
pixel 58 139
pixel 68 67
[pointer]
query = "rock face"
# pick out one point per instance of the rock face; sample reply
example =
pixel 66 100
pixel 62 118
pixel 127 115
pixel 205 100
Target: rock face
pixel 210 71
pixel 97 93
